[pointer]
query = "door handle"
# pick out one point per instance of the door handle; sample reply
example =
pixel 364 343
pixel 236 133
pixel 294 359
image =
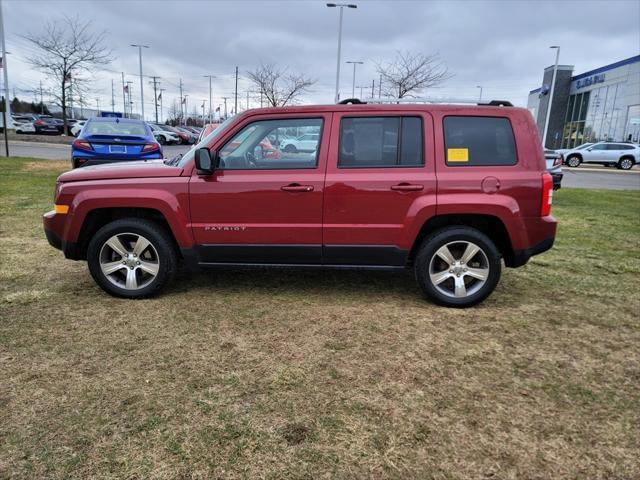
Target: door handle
pixel 295 187
pixel 407 187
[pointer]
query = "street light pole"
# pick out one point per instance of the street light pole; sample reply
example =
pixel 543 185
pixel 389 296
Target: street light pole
pixel 7 106
pixel 341 6
pixel 353 85
pixel 140 47
pixel 480 98
pixel 210 104
pixel 553 85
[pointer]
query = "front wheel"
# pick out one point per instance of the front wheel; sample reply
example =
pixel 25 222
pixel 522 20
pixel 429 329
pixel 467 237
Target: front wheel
pixel 574 161
pixel 131 258
pixel 162 140
pixel 457 267
pixel 625 164
pixel 289 148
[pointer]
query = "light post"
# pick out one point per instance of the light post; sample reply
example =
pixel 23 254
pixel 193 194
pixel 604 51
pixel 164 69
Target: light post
pixel 353 85
pixel 480 98
pixel 341 6
pixel 186 108
pixel 210 104
pixel 553 84
pixel 140 47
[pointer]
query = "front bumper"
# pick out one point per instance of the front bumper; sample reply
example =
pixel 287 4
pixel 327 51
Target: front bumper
pixel 52 224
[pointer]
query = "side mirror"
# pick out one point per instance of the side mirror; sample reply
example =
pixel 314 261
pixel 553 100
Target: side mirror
pixel 589 149
pixel 204 161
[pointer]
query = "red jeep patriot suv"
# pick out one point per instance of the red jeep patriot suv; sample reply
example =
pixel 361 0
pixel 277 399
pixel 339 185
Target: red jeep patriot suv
pixel 449 191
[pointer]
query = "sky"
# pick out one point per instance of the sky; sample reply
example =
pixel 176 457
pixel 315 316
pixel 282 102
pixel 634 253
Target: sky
pixel 502 46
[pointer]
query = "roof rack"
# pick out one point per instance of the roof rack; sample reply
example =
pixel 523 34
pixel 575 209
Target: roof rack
pixel 492 103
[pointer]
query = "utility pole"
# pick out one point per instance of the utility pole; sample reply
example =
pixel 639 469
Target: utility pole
pixel 41 100
pixel 161 109
pixel 186 107
pixel 140 47
pixel 360 87
pixel 129 91
pixel 98 105
pixel 235 109
pixel 373 87
pixel 7 107
pixel 4 121
pixel 203 103
pixel 247 99
pixel 113 98
pixel 181 102
pixel 210 99
pixel 124 98
pixel 225 107
pixel 380 87
pixel 480 97
pixel 155 95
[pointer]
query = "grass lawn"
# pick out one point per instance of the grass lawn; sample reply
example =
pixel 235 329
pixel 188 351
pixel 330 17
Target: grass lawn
pixel 289 374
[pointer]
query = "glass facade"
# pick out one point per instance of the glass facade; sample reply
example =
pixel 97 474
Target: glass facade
pixel 603 105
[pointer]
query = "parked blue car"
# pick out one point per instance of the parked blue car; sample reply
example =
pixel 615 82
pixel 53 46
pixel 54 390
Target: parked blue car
pixel 108 140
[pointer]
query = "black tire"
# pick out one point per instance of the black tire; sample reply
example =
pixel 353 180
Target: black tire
pixel 573 161
pixel 159 239
pixel 162 140
pixel 625 163
pixel 457 236
pixel 290 148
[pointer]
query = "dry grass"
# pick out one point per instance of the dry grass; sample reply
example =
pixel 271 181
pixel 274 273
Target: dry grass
pixel 283 374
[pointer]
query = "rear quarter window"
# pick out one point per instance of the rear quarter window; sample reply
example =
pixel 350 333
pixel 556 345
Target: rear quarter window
pixel 479 141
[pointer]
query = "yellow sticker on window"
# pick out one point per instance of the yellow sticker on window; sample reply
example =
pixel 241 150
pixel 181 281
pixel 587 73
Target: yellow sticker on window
pixel 457 155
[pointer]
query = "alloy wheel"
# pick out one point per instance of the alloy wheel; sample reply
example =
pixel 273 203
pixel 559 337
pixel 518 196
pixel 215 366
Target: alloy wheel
pixel 459 269
pixel 129 261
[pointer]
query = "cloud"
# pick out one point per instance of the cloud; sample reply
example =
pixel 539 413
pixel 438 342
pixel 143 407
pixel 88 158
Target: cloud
pixel 500 45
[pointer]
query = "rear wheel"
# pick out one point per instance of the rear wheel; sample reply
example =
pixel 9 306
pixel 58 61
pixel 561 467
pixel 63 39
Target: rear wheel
pixel 162 140
pixel 457 267
pixel 574 161
pixel 131 258
pixel 625 163
pixel 290 148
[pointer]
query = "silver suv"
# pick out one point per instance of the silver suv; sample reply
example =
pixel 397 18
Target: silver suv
pixel 621 155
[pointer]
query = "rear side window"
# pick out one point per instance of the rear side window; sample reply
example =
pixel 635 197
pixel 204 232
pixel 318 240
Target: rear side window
pixel 479 141
pixel 373 142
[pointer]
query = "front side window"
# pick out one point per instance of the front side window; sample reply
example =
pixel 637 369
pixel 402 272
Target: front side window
pixel 370 142
pixel 600 146
pixel 273 144
pixel 479 141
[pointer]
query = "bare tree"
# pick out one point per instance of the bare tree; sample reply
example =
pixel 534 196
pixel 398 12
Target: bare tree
pixel 409 73
pixel 68 51
pixel 279 87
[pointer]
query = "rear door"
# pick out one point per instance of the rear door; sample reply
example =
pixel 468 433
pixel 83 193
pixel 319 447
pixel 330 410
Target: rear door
pixel 380 168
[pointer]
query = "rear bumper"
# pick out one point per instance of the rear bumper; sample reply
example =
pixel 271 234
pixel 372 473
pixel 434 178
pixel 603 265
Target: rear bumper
pixel 521 257
pixel 77 158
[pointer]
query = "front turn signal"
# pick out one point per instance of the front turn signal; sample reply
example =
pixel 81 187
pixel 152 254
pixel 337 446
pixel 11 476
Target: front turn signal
pixel 61 209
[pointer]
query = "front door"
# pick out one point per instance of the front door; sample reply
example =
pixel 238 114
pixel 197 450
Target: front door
pixel 262 205
pixel 379 166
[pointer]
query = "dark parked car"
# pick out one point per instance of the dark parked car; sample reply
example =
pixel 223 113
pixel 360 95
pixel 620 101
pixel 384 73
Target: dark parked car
pixel 554 166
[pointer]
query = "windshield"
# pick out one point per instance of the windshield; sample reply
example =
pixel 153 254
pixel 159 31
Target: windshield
pixel 115 128
pixel 182 160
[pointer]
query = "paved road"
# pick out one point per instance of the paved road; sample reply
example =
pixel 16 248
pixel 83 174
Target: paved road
pixel 581 177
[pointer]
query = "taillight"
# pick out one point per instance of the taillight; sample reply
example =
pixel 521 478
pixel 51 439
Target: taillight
pixel 82 145
pixel 547 194
pixel 557 161
pixel 148 147
pixel 40 123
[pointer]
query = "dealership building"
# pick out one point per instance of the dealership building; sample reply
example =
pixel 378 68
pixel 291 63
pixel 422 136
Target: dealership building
pixel 601 104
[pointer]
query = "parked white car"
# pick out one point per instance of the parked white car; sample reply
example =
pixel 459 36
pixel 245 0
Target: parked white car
pixel 304 143
pixel 25 127
pixel 622 155
pixel 164 137
pixel 77 127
